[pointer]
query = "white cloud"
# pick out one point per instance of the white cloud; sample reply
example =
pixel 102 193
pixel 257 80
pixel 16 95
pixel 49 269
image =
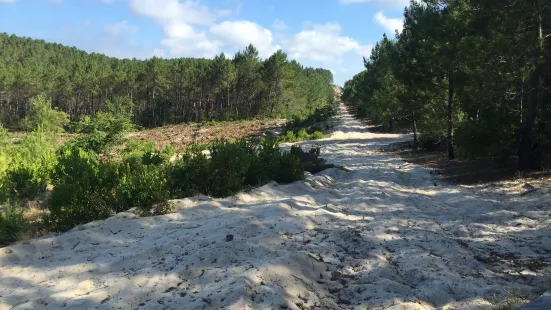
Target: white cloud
pixel 119 28
pixel 325 44
pixel 390 24
pixel 238 34
pixel 174 11
pixel 190 28
pixel 7 1
pixel 388 3
pixel 183 40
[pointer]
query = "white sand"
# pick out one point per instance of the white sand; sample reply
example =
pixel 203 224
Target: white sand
pixel 379 237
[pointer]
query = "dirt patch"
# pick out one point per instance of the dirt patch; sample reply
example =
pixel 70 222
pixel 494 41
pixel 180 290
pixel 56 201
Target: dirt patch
pixel 178 136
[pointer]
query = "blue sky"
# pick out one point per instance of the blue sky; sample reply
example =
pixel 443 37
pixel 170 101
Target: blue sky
pixel 332 34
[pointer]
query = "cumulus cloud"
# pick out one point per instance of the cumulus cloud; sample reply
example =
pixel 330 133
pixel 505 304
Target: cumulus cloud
pixel 238 34
pixel 324 44
pixel 190 29
pixel 390 24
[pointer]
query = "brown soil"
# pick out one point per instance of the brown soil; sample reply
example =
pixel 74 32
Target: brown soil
pixel 178 136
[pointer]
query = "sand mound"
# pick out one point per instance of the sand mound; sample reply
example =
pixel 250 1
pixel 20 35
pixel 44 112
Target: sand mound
pixel 380 237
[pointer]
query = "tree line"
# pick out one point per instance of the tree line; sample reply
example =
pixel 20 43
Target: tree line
pixel 162 91
pixel 472 75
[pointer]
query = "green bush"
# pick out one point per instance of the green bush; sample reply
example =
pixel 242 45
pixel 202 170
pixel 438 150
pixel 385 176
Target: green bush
pixel 42 116
pixel 143 187
pixel 300 135
pixel 229 164
pixel 87 188
pixel 190 175
pixel 232 167
pixel 291 169
pixel 479 139
pixel 289 137
pixel 107 129
pixel 28 167
pixel 138 153
pixel 84 189
pixel 26 181
pixel 12 223
pixel 266 165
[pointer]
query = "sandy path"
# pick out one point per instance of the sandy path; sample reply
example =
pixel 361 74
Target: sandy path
pixel 379 237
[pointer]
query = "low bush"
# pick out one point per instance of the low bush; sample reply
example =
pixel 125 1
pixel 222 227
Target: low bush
pixel 12 224
pixel 138 153
pixel 233 167
pixel 28 167
pixel 228 167
pixel 301 135
pixel 143 187
pixel 189 175
pixel 88 188
pixel 84 189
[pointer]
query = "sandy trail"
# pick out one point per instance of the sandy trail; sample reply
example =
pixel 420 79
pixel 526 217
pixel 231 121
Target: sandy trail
pixel 379 237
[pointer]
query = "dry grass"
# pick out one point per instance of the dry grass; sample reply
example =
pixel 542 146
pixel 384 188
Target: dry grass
pixel 178 136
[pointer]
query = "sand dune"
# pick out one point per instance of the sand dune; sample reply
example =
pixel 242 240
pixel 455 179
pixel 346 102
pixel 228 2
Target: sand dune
pixel 379 237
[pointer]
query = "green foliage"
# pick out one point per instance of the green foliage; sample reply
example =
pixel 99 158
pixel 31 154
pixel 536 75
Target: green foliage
pixel 12 224
pixel 465 74
pixel 84 189
pixel 143 187
pixel 189 175
pixel 164 90
pixel 42 116
pixel 291 169
pixel 228 167
pixel 28 167
pixel 232 166
pixel 495 139
pixel 107 129
pixel 88 187
pixel 138 153
pixel 301 135
pixel 5 157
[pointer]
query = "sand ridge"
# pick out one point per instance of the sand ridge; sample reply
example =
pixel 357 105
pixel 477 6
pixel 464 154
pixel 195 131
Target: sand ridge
pixel 381 236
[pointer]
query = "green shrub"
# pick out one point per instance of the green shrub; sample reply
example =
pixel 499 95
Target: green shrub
pixel 143 187
pixel 12 224
pixel 88 188
pixel 42 116
pixel 84 189
pixel 265 166
pixel 291 169
pixel 138 153
pixel 107 129
pixel 479 139
pixel 232 167
pixel 316 135
pixel 190 175
pixel 28 167
pixel 229 164
pixel 25 181
pixel 289 137
pixel 302 135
